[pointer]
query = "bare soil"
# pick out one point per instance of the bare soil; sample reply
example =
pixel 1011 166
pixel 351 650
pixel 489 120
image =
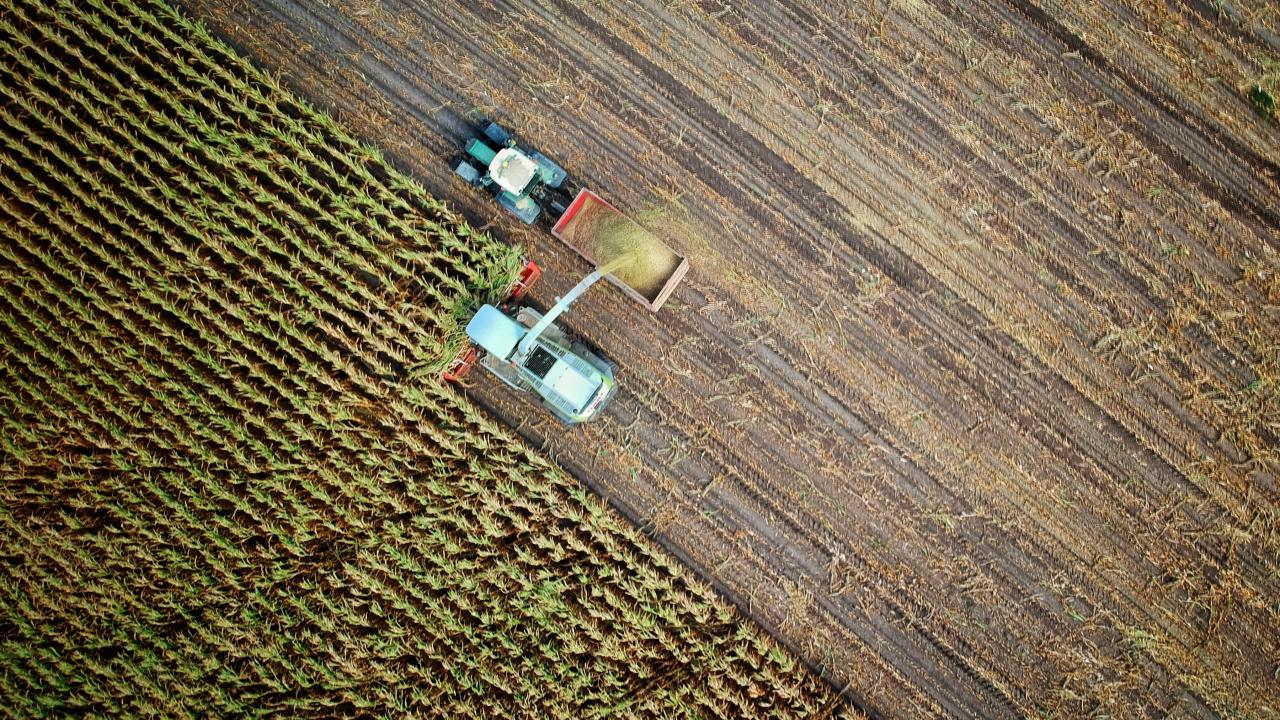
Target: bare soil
pixel 971 393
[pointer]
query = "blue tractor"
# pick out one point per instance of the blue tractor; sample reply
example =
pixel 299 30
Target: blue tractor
pixel 523 181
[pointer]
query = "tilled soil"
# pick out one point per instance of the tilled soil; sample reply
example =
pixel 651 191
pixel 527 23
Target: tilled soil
pixel 970 395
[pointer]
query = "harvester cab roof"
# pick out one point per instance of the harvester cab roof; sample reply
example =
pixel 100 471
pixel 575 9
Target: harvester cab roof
pixel 495 332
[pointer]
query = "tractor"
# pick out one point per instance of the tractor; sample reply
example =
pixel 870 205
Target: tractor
pixel 523 181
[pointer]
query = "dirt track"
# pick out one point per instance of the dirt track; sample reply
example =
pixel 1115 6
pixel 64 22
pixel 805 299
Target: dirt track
pixel 971 392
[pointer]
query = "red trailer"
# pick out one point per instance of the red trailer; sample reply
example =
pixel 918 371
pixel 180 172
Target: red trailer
pixel 575 229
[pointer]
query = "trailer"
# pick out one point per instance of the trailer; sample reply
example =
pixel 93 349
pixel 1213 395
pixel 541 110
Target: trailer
pixel 577 228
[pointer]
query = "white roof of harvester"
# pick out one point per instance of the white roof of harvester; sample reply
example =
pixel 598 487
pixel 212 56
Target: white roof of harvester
pixel 492 330
pixel 512 170
pixel 571 384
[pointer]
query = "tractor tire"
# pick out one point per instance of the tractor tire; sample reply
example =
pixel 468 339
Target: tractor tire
pixel 465 170
pixel 496 134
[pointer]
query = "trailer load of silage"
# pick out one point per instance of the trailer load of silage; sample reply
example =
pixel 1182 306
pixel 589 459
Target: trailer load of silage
pixel 628 251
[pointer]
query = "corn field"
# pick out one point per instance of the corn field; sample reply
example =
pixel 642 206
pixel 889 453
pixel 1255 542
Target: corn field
pixel 232 485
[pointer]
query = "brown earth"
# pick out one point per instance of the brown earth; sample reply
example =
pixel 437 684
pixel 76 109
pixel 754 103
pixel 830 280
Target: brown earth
pixel 971 393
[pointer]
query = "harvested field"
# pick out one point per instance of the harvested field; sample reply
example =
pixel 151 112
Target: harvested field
pixel 231 483
pixel 971 394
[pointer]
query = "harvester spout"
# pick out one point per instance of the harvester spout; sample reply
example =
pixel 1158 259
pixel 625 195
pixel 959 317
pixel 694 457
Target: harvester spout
pixel 527 342
pixel 562 304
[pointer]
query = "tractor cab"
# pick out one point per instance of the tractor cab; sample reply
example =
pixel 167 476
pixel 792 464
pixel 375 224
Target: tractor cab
pixel 523 181
pixel 512 170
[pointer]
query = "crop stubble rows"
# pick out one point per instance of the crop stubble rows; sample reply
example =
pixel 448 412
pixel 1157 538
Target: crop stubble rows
pixel 971 394
pixel 231 481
